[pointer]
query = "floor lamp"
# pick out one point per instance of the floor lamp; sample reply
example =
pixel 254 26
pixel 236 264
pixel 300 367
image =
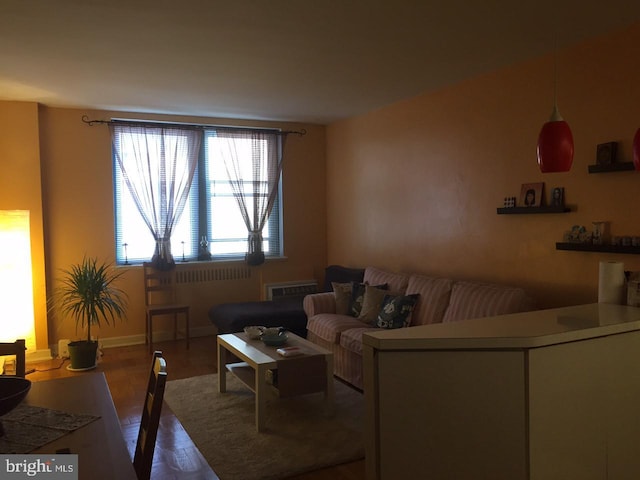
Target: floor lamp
pixel 16 282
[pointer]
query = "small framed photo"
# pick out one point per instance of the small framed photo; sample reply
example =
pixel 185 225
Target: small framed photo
pixel 557 197
pixel 531 194
pixel 606 153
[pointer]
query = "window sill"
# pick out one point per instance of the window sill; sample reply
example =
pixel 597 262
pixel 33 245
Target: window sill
pixel 216 261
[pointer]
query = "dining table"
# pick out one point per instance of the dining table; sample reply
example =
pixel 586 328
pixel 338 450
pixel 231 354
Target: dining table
pixel 100 446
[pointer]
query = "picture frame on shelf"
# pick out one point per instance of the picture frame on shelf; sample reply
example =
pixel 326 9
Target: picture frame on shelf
pixel 606 153
pixel 557 197
pixel 531 194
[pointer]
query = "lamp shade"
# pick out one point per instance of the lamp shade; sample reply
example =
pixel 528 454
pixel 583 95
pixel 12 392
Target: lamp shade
pixel 555 145
pixel 636 150
pixel 16 281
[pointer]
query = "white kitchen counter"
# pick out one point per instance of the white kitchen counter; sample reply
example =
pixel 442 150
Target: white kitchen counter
pixel 520 330
pixel 543 395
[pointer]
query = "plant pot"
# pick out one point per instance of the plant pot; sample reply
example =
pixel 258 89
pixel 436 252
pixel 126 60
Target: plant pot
pixel 82 355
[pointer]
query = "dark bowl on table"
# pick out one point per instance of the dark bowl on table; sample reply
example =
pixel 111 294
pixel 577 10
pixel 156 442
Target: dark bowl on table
pixel 274 340
pixel 12 392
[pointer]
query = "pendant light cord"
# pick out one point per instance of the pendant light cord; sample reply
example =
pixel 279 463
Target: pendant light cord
pixel 555 76
pixel 555 115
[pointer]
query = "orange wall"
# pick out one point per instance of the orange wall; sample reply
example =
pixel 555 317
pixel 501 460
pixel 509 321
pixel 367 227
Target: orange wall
pixel 414 186
pixel 20 189
pixel 77 193
pixel 410 187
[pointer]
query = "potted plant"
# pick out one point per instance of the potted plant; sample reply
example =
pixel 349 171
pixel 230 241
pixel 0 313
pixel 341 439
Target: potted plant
pixel 89 295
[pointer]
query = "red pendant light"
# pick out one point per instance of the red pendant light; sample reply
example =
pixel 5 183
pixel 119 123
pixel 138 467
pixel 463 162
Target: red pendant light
pixel 555 145
pixel 636 150
pixel 555 142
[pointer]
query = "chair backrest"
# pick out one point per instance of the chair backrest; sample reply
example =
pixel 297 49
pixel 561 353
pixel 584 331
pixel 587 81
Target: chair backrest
pixel 18 349
pixel 159 285
pixel 143 458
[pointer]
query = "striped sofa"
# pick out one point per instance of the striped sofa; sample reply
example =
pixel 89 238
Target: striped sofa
pixel 439 300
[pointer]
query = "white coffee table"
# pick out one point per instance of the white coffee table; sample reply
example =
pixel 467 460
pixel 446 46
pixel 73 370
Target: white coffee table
pixel 257 358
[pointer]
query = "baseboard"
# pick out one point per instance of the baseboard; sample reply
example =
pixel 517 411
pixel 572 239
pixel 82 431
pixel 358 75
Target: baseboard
pixel 160 336
pixel 38 356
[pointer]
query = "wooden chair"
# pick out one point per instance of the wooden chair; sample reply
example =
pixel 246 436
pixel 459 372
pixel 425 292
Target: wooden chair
pixel 18 349
pixel 160 299
pixel 143 458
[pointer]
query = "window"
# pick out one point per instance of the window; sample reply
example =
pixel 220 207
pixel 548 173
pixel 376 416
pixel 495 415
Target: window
pixel 211 210
pixel 227 231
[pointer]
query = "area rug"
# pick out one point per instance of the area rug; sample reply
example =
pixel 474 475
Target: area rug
pixel 298 437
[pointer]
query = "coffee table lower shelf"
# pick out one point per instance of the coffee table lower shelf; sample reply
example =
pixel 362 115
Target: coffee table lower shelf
pixel 247 375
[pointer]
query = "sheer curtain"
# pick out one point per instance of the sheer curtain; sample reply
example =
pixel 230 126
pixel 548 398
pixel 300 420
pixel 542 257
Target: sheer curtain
pixel 158 164
pixel 255 183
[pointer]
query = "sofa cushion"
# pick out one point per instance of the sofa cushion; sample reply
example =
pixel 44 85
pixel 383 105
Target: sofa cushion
pixel 396 311
pixel 340 274
pixel 329 326
pixel 352 339
pixel 476 300
pixel 396 282
pixel 434 298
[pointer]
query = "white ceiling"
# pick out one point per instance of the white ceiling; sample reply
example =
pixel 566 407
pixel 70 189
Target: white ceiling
pixel 291 60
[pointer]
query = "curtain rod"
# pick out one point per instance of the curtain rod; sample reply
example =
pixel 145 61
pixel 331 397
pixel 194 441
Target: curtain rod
pixel 141 123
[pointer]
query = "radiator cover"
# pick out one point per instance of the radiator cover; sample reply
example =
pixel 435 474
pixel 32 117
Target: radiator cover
pixel 289 290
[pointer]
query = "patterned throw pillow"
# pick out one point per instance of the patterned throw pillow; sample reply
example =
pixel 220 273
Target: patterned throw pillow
pixel 342 293
pixel 357 298
pixel 396 311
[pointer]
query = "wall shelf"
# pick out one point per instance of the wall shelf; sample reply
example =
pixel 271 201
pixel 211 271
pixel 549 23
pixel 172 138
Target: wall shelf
pixel 612 167
pixel 588 247
pixel 531 210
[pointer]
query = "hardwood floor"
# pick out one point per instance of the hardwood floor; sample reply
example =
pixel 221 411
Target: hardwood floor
pixel 176 457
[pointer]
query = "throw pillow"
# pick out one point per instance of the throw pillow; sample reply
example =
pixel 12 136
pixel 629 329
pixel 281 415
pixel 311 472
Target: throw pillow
pixel 371 304
pixel 342 293
pixel 357 297
pixel 396 311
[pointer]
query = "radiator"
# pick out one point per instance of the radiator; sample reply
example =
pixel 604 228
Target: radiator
pixel 202 273
pixel 228 282
pixel 289 290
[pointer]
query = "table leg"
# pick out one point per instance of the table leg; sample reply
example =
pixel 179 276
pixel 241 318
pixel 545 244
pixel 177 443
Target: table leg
pixel 329 394
pixel 222 369
pixel 261 398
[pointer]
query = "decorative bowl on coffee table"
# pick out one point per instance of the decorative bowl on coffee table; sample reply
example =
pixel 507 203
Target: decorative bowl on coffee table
pixel 277 340
pixel 254 331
